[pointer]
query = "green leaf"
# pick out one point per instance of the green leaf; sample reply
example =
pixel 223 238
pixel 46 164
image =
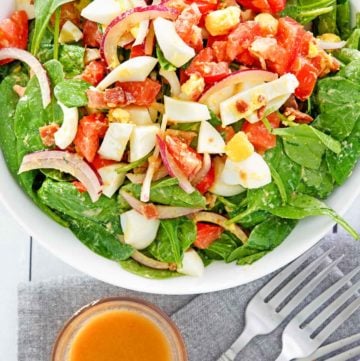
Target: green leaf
pixel 343 18
pixel 72 92
pixel 55 72
pixel 134 267
pixel 43 12
pixel 222 247
pixel 214 119
pixel 164 63
pixel 72 59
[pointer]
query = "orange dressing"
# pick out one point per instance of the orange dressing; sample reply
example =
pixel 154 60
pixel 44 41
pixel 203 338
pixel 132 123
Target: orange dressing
pixel 120 336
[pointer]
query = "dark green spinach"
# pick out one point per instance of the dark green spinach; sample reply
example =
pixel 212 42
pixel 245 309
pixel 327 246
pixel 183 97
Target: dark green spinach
pixel 72 92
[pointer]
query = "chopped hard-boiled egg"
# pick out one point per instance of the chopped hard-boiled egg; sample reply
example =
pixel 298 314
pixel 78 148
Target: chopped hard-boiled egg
pixel 67 132
pixel 193 87
pixel 239 147
pixel 116 138
pixel 210 141
pixel 185 111
pixel 28 6
pixel 139 231
pixel 142 141
pixel 91 54
pixel 102 11
pixel 246 103
pixel 253 172
pixel 70 33
pixel 139 115
pixel 220 22
pixel 192 264
pixel 119 115
pixel 175 50
pixel 111 179
pixel 134 69
pixel 267 23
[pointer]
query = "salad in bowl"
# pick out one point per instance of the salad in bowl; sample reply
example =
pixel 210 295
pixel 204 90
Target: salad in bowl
pixel 169 135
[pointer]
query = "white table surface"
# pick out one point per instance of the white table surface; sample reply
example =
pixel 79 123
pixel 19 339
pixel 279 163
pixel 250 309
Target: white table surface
pixel 22 259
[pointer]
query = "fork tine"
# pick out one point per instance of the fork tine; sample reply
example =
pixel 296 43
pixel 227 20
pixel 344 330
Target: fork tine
pixel 323 297
pixel 346 355
pixel 304 292
pixel 285 273
pixel 334 306
pixel 338 320
pixel 325 350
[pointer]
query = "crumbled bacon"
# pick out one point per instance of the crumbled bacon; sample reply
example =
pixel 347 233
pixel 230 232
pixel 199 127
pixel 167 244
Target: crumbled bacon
pixel 300 117
pixel 47 134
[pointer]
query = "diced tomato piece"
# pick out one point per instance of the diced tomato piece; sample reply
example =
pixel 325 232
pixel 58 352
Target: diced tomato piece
pixel 307 75
pixel 47 134
pixel 137 50
pixel 268 6
pixel 99 162
pixel 204 185
pixel 227 132
pixel 79 186
pixel 92 35
pixel 206 234
pixel 183 77
pixel 259 136
pixel 14 32
pixel 143 92
pixel 94 72
pixel 219 48
pixel 186 158
pixel 150 211
pixel 205 6
pixel 91 128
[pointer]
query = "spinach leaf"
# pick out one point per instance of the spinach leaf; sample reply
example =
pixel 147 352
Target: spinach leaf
pixel 173 238
pixel 342 165
pixel 306 145
pixel 166 191
pixel 222 247
pixel 55 72
pixel 163 62
pixel 263 238
pixel 353 42
pixel 302 205
pixel 8 103
pixel 214 119
pixel 326 23
pixel 72 59
pixel 134 267
pixel 99 239
pixel 343 18
pixel 43 11
pixel 72 92
pixel 347 55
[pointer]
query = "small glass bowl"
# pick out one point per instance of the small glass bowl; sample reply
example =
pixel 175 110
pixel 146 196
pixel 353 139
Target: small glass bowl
pixel 70 330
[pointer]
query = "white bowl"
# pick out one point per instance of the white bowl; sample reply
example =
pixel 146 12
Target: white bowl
pixel 63 244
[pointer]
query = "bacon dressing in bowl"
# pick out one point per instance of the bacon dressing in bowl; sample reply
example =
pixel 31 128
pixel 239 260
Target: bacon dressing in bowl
pixel 119 329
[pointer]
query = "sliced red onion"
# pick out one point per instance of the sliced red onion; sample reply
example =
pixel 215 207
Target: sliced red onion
pixel 163 212
pixel 241 76
pixel 124 22
pixel 65 162
pixel 35 66
pixel 143 30
pixel 215 218
pixel 204 169
pixel 173 80
pixel 149 42
pixel 330 45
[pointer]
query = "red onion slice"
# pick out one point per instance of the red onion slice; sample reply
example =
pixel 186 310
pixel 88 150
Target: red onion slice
pixel 65 162
pixel 162 212
pixel 124 22
pixel 330 45
pixel 35 66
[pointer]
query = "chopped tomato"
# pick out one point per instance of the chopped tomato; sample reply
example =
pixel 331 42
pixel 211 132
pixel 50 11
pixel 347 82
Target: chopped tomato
pixel 204 65
pixel 204 185
pixel 115 97
pixel 47 134
pixel 99 162
pixel 150 211
pixel 268 6
pixel 94 72
pixel 259 136
pixel 219 48
pixel 14 32
pixel 137 50
pixel 91 128
pixel 92 35
pixel 183 77
pixel 205 6
pixel 143 92
pixel 79 186
pixel 206 234
pixel 227 132
pixel 186 158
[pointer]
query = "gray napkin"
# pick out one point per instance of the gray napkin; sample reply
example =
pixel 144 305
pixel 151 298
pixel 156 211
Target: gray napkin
pixel 209 323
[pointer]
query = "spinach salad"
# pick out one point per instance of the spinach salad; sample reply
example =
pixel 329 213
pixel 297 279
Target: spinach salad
pixel 168 135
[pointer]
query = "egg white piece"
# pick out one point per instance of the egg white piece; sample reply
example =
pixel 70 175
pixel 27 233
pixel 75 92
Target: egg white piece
pixel 70 33
pixel 116 138
pixel 210 141
pixel 253 172
pixel 175 50
pixel 139 115
pixel 102 11
pixel 134 69
pixel 192 264
pixel 139 231
pixel 182 111
pixel 142 141
pixel 67 132
pixel 111 179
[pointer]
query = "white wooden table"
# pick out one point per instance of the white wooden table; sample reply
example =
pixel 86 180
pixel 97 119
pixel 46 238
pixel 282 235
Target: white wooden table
pixel 23 260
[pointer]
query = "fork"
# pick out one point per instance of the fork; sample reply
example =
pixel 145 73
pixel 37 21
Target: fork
pixel 263 315
pixel 337 346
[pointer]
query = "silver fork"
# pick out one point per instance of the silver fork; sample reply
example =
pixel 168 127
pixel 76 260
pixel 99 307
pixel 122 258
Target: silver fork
pixel 298 337
pixel 337 346
pixel 262 315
